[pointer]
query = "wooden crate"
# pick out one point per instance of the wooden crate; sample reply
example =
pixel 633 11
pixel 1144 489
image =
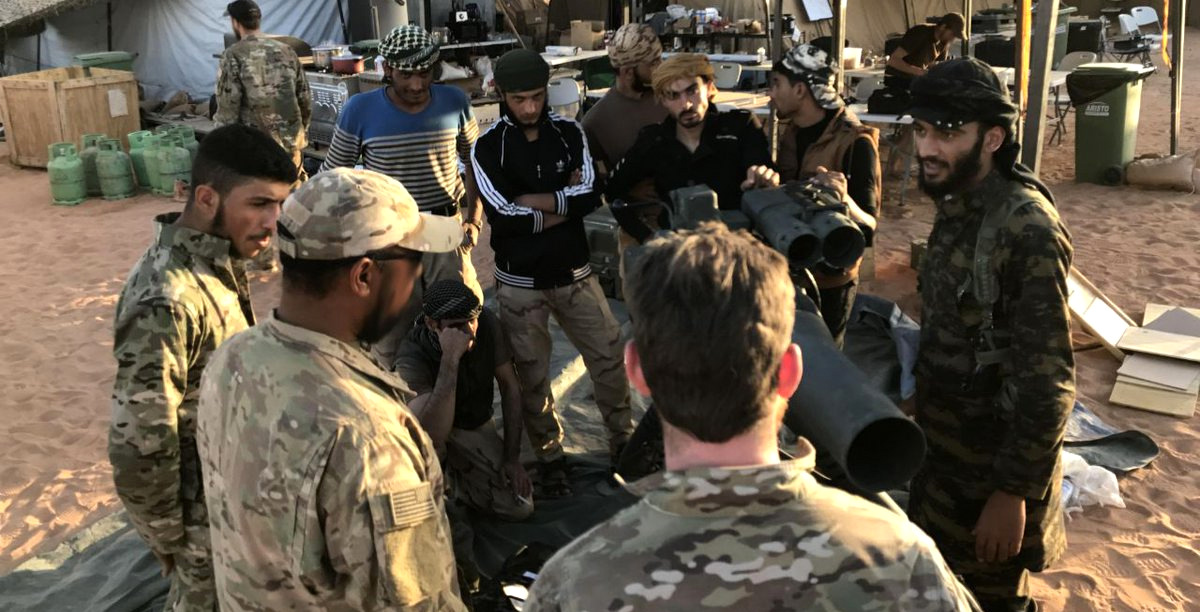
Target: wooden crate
pixel 62 104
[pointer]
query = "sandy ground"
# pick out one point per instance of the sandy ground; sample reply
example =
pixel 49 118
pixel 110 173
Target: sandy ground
pixel 64 268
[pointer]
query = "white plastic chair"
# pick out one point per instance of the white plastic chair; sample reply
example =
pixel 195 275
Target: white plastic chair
pixel 727 75
pixel 1130 44
pixel 1130 27
pixel 1147 21
pixel 1069 63
pixel 564 97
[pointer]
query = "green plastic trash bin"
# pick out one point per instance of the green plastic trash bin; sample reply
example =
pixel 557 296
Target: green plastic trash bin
pixel 113 60
pixel 1108 102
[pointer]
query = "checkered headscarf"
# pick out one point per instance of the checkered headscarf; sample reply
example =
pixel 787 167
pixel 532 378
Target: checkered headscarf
pixel 409 48
pixel 450 299
pixel 811 65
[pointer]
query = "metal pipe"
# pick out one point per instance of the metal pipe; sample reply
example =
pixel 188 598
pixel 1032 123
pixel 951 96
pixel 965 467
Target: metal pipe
pixel 968 8
pixel 838 45
pixel 108 14
pixel 1179 27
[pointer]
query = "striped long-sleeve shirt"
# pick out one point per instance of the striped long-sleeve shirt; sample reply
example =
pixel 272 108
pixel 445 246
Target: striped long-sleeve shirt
pixel 427 151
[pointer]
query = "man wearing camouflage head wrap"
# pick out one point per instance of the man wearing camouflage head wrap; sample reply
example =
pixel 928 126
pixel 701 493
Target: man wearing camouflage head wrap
pixel 823 140
pixel 995 373
pixel 727 525
pixel 419 133
pixel 323 490
pixel 613 123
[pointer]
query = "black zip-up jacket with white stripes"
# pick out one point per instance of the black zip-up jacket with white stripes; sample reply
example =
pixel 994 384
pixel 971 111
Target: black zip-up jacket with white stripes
pixel 507 165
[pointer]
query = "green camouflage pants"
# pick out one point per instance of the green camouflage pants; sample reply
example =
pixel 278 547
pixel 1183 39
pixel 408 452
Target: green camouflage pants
pixel 192 586
pixel 474 458
pixel 582 311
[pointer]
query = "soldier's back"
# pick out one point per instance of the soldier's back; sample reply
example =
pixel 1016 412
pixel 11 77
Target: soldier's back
pixel 768 538
pixel 267 72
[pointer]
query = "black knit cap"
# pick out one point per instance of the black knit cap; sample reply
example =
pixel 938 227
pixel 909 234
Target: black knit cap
pixel 521 70
pixel 965 90
pixel 450 299
pixel 243 10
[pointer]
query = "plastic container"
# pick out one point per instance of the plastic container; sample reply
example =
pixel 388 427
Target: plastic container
pixel 137 156
pixel 67 184
pixel 87 154
pixel 1106 124
pixel 113 60
pixel 115 170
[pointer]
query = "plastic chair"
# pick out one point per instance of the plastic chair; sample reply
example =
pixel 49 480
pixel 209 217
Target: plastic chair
pixel 564 97
pixel 1062 108
pixel 727 75
pixel 1131 44
pixel 1146 19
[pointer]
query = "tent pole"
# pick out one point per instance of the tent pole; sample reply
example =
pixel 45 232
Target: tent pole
pixel 108 14
pixel 838 33
pixel 1019 61
pixel 1178 25
pixel 968 7
pixel 342 18
pixel 775 40
pixel 1045 21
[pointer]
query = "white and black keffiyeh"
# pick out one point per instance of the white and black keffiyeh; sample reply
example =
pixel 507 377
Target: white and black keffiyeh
pixel 409 48
pixel 811 64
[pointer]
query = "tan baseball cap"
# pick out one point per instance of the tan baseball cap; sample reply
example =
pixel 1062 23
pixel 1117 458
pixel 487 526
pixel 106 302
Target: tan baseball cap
pixel 345 213
pixel 632 44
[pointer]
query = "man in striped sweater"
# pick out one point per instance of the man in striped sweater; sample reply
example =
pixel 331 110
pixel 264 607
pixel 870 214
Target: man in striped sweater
pixel 536 177
pixel 420 134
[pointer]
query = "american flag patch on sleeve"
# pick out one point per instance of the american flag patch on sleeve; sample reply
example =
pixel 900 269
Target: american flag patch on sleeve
pixel 412 506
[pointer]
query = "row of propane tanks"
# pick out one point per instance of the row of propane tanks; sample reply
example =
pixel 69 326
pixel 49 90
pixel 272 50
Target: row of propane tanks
pixel 156 161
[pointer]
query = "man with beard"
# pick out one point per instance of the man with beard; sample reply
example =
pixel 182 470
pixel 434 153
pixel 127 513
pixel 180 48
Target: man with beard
pixel 695 145
pixel 825 141
pixel 613 123
pixel 420 134
pixel 536 176
pixel 995 373
pixel 260 84
pixel 324 491
pixel 183 298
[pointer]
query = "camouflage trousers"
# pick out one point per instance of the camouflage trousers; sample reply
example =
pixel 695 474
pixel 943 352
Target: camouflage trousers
pixel 434 267
pixel 192 586
pixel 474 458
pixel 582 311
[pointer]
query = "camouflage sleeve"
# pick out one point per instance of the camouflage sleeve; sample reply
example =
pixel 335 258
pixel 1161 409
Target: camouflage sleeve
pixel 935 586
pixel 229 91
pixel 151 348
pixel 383 525
pixel 543 596
pixel 1041 387
pixel 303 96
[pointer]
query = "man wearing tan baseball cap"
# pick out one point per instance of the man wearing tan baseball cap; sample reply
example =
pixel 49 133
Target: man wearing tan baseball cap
pixel 319 480
pixel 613 123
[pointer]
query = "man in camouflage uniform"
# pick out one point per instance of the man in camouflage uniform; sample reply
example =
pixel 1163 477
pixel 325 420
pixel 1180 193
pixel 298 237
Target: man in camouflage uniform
pixel 995 374
pixel 183 298
pixel 324 491
pixel 261 84
pixel 728 525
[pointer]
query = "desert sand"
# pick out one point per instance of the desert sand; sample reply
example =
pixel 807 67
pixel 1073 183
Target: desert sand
pixel 64 267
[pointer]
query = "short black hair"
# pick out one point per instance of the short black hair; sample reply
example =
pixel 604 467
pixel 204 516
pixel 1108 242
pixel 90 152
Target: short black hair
pixel 234 154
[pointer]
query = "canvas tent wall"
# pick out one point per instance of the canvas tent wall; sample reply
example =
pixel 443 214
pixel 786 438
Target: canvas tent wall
pixel 175 39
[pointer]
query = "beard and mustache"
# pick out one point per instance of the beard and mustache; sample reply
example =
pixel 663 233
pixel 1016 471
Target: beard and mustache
pixel 962 172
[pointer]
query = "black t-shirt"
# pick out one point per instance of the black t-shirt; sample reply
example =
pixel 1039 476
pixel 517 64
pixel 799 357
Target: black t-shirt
pixel 923 49
pixel 420 356
pixel 858 166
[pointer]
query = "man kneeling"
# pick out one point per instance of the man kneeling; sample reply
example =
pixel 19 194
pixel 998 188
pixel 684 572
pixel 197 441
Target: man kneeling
pixel 729 524
pixel 450 361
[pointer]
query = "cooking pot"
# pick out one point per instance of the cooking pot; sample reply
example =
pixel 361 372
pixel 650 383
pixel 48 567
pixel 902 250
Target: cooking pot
pixel 348 64
pixel 323 56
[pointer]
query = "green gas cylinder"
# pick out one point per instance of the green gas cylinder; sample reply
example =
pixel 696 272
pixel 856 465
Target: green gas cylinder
pixel 67 184
pixel 150 146
pixel 115 170
pixel 137 155
pixel 174 163
pixel 87 154
pixel 187 137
